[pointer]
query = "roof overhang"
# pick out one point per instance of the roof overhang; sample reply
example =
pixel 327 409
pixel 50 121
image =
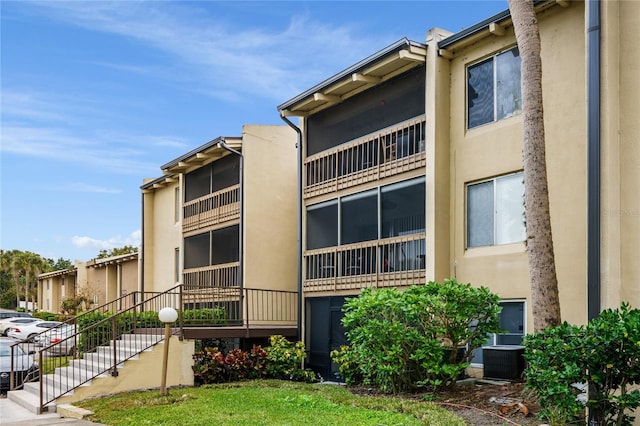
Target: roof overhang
pixel 99 263
pixel 493 25
pixel 204 154
pixel 395 59
pixel 70 271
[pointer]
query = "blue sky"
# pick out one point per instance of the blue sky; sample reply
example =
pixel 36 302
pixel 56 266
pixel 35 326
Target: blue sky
pixel 96 96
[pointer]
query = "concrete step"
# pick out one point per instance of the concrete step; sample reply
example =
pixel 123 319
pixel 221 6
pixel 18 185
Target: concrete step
pixel 30 401
pixel 81 372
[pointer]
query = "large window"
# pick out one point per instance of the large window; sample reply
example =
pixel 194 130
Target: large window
pixel 390 211
pixel 211 178
pixel 493 88
pixel 212 248
pixel 495 211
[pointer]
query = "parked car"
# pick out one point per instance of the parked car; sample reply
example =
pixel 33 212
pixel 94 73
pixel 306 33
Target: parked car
pixel 25 367
pixel 7 323
pixel 27 332
pixel 8 313
pixel 61 338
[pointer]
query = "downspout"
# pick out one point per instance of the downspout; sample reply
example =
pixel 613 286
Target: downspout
pixel 142 250
pixel 593 177
pixel 226 147
pixel 593 159
pixel 299 256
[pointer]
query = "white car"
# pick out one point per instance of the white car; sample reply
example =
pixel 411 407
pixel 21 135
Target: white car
pixel 27 332
pixel 61 338
pixel 7 323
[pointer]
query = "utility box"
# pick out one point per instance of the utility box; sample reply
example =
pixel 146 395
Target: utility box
pixel 504 362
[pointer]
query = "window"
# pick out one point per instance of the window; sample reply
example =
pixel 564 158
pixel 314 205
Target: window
pixel 225 245
pixel 176 264
pixel 176 205
pixel 493 88
pixel 320 218
pixel 495 211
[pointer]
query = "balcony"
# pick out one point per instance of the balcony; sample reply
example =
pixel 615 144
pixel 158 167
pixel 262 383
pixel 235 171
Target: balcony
pixel 211 209
pixel 386 153
pixel 224 275
pixel 390 262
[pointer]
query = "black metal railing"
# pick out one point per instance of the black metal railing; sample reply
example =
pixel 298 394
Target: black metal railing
pixel 100 340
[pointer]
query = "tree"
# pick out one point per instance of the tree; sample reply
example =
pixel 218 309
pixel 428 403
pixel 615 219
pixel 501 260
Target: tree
pixel 542 267
pixel 116 252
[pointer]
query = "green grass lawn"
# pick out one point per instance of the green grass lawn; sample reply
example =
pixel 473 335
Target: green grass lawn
pixel 264 402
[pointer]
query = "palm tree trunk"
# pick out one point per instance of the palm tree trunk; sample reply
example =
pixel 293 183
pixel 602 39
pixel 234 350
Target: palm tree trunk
pixel 542 268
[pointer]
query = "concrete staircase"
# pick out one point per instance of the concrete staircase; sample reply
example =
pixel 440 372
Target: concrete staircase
pixel 81 373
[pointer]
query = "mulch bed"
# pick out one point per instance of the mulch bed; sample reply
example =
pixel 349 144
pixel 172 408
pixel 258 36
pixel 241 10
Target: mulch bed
pixel 484 402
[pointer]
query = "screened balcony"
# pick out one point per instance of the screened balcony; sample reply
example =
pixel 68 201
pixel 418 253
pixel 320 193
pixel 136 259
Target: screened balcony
pixel 392 151
pixel 389 262
pixel 374 238
pixel 212 259
pixel 211 209
pixel 212 194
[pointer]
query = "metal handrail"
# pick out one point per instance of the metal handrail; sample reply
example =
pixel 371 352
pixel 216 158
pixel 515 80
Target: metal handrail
pixel 107 342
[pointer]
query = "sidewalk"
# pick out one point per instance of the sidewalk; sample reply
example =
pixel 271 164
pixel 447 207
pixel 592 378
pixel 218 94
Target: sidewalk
pixel 12 414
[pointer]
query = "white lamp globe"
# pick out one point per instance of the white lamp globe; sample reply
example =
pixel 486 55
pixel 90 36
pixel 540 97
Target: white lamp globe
pixel 167 315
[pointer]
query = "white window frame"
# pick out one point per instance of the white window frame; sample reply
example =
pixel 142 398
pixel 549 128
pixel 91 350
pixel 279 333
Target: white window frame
pixel 495 230
pixel 493 59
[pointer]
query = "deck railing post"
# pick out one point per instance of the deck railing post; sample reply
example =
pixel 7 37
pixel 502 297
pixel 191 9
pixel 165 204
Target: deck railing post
pixel 114 369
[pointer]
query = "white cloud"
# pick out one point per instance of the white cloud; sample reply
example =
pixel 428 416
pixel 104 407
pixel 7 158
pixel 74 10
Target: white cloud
pixel 222 54
pixel 86 242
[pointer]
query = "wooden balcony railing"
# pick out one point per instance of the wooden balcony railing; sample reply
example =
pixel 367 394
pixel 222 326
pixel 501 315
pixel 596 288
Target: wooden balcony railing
pixel 211 209
pixel 390 262
pixel 389 152
pixel 224 275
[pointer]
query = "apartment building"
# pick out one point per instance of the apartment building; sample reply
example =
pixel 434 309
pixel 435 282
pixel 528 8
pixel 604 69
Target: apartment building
pixel 411 169
pixel 221 224
pixel 99 280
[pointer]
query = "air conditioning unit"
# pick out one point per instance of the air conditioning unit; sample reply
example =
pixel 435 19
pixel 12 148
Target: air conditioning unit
pixel 503 362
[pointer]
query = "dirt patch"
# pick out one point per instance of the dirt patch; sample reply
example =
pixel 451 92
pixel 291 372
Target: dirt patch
pixel 484 402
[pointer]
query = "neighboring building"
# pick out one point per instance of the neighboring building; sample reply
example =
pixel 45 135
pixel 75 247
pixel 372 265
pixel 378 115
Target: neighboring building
pixel 411 169
pixel 101 280
pixel 222 223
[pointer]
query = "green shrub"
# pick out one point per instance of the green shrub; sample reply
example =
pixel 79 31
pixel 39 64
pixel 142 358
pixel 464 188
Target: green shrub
pixel 605 355
pixel 285 360
pixel 212 366
pixel 422 337
pixel 47 316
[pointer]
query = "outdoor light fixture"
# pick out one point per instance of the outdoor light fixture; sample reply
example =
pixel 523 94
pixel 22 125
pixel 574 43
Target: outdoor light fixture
pixel 167 316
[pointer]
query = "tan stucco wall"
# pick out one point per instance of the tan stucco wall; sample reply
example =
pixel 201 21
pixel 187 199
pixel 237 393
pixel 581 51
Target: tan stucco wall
pixel 620 146
pixel 162 235
pixel 143 373
pixel 438 170
pixel 495 149
pixel 270 212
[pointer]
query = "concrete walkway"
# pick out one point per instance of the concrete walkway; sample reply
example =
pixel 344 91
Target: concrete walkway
pixel 12 414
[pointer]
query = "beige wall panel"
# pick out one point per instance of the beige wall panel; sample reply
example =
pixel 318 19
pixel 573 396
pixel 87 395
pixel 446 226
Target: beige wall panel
pixel 620 133
pixel 162 236
pixel 143 373
pixel 496 148
pixel 270 199
pixel 129 276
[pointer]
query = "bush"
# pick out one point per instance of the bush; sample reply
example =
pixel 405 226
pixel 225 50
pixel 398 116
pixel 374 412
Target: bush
pixel 285 360
pixel 281 360
pixel 422 337
pixel 605 355
pixel 212 366
pixel 47 316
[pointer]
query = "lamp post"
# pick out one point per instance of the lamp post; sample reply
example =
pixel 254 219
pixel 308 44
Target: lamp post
pixel 167 316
